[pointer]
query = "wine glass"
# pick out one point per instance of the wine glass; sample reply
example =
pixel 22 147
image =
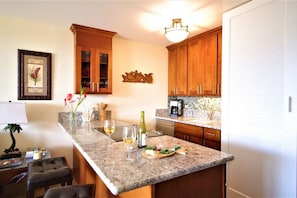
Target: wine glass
pixel 109 128
pixel 129 138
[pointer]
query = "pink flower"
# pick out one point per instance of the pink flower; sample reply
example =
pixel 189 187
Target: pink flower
pixel 73 103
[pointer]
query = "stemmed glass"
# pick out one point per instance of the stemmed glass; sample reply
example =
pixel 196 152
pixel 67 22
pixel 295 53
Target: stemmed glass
pixel 129 138
pixel 109 128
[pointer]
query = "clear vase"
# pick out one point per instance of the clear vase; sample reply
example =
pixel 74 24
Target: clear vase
pixel 72 117
pixel 72 122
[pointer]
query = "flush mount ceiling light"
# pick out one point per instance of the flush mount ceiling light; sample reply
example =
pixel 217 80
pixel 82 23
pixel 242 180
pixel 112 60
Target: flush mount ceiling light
pixel 176 32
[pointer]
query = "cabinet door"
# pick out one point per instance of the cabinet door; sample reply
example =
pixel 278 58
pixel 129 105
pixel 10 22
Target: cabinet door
pixel 195 139
pixel 93 70
pixel 219 66
pixel 190 138
pixel 210 65
pixel 203 65
pixel 180 135
pixel 188 132
pixel 83 68
pixel 102 72
pixel 212 138
pixel 82 171
pixel 195 67
pixel 177 70
pixel 182 70
pixel 172 57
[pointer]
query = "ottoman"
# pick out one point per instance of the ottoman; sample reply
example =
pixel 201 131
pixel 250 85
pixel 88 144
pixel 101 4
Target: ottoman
pixel 77 191
pixel 47 172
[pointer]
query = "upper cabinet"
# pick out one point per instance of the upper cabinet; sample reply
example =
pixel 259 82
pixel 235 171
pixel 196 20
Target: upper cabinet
pixel 177 70
pixel 219 79
pixel 203 63
pixel 93 59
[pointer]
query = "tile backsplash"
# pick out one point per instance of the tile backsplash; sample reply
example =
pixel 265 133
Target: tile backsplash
pixel 196 106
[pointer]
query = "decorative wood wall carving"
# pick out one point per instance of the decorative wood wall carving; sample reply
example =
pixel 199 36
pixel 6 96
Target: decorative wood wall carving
pixel 135 76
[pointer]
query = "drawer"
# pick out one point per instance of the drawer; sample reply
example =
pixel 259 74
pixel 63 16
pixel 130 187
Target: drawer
pixel 212 144
pixel 212 134
pixel 189 129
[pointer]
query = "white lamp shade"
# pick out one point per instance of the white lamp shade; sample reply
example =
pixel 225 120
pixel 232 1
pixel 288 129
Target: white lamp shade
pixel 177 35
pixel 13 113
pixel 176 32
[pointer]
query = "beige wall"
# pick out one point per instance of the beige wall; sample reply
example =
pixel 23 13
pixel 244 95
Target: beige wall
pixel 126 102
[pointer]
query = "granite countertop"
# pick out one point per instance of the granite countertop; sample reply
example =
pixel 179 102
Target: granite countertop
pixel 120 174
pixel 214 124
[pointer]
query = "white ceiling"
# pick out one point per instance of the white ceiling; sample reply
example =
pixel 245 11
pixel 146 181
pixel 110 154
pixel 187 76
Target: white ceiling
pixel 139 20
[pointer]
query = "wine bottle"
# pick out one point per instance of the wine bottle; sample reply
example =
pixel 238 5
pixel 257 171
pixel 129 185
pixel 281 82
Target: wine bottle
pixel 142 132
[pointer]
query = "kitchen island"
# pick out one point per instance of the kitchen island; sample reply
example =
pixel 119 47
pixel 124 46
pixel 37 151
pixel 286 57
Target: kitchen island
pixel 199 173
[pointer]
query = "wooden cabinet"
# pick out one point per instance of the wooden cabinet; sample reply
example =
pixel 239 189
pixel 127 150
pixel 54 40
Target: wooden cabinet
pixel 189 133
pixel 212 138
pixel 82 171
pixel 203 65
pixel 93 59
pixel 209 182
pixel 204 136
pixel 177 70
pixel 219 79
pixel 194 65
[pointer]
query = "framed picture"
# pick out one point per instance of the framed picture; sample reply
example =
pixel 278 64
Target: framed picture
pixel 34 75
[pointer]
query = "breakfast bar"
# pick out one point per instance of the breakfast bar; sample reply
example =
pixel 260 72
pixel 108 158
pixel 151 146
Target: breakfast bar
pixel 198 171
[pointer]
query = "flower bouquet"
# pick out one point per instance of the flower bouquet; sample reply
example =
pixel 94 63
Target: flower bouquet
pixel 73 103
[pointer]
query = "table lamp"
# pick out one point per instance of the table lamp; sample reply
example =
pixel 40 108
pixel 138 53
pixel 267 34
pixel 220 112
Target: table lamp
pixel 12 114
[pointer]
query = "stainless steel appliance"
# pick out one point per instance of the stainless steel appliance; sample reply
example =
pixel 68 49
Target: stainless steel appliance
pixel 176 107
pixel 166 127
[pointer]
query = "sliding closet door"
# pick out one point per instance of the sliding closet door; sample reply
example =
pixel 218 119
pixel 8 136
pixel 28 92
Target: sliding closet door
pixel 259 122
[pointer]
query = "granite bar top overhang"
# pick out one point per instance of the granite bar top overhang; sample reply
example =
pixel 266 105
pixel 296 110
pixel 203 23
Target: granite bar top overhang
pixel 120 174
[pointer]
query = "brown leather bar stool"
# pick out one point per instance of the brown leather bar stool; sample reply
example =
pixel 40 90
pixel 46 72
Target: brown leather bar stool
pixel 78 191
pixel 46 172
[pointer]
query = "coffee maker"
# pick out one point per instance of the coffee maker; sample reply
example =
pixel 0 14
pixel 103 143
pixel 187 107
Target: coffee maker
pixel 176 107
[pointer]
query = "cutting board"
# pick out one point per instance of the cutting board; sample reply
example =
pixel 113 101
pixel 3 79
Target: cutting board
pixel 156 155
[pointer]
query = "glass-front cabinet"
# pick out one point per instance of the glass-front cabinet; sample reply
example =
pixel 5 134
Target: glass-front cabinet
pixel 85 68
pixel 95 76
pixel 93 70
pixel 103 65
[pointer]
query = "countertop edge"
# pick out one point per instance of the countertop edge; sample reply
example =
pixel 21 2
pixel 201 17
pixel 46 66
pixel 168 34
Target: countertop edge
pixel 116 190
pixel 111 187
pixel 213 125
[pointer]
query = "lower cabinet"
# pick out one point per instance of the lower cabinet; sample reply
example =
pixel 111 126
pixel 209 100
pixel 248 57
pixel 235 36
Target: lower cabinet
pixel 206 183
pixel 212 138
pixel 189 133
pixel 83 173
pixel 204 136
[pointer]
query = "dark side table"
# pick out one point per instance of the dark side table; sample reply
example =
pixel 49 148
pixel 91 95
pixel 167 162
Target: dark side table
pixel 17 173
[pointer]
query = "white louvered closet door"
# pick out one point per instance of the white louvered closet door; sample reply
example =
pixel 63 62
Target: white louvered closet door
pixel 259 78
